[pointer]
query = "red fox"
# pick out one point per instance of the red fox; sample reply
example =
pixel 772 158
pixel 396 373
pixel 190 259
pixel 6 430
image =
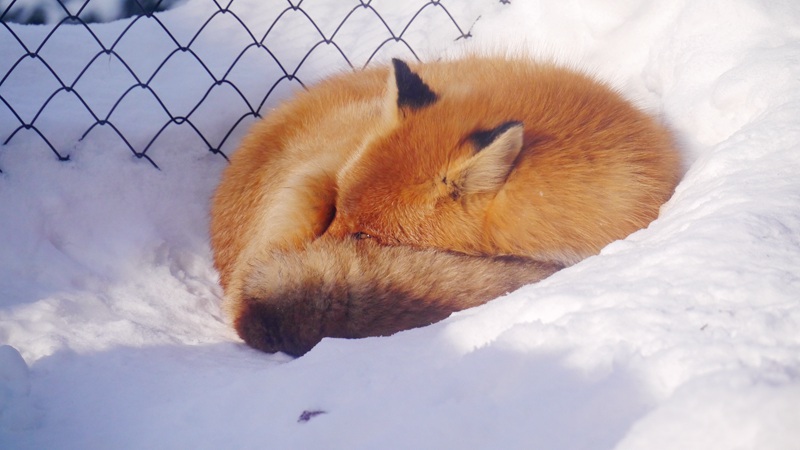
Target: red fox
pixel 386 199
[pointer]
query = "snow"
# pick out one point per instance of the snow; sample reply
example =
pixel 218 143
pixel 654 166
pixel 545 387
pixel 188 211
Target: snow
pixel 50 11
pixel 684 335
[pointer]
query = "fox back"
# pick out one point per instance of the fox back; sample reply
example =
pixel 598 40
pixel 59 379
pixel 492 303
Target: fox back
pixel 505 157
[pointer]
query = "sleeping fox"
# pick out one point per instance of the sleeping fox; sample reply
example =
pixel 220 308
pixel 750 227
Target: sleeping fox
pixel 386 199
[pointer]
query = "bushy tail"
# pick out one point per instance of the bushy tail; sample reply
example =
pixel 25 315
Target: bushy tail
pixel 353 289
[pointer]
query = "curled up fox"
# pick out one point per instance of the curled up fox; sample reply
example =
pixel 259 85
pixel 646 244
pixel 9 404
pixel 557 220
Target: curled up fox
pixel 386 199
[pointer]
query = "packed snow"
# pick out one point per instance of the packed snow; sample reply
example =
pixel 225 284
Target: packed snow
pixel 54 11
pixel 684 335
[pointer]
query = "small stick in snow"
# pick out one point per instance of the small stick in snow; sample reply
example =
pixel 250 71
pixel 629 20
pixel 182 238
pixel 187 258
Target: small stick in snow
pixel 308 415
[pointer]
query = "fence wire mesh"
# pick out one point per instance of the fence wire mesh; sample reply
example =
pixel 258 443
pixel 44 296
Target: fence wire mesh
pixel 104 75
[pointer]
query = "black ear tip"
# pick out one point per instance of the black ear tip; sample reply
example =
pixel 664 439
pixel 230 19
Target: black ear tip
pixel 412 92
pixel 401 69
pixel 508 125
pixel 483 138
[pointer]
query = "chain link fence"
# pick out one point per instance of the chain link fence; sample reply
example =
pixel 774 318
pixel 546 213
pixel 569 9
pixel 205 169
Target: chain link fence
pixel 122 76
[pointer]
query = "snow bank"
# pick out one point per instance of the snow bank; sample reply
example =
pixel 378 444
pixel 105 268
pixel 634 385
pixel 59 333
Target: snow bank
pixel 685 335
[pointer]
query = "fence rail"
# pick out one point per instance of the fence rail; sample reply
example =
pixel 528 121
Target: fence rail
pixel 30 50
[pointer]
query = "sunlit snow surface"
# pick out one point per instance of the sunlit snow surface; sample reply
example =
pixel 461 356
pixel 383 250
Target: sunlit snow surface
pixel 686 335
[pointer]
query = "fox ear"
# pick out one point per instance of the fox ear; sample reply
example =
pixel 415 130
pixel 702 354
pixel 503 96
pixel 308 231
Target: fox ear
pixel 488 170
pixel 406 90
pixel 412 92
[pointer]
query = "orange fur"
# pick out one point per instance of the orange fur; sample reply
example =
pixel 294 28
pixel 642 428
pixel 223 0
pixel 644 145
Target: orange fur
pixel 590 169
pixel 481 156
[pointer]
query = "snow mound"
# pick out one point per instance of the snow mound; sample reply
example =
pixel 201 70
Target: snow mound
pixel 17 411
